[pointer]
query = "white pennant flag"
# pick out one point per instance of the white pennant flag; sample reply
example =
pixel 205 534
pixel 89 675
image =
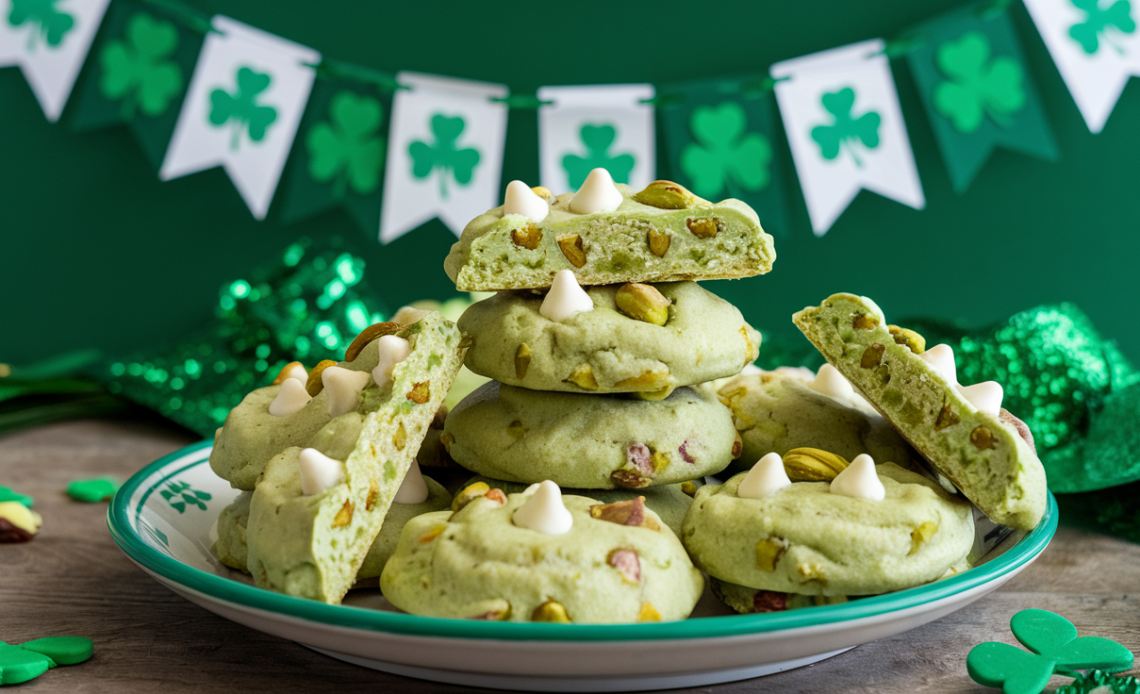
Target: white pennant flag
pixel 445 153
pixel 1096 47
pixel 845 128
pixel 242 110
pixel 589 127
pixel 49 41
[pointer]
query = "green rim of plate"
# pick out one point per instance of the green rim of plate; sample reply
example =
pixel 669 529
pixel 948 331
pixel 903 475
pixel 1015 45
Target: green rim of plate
pixel 241 594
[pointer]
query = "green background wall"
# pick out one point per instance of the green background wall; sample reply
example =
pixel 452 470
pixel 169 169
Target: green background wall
pixel 94 250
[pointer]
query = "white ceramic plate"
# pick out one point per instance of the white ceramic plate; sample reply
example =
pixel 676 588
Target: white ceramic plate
pixel 164 519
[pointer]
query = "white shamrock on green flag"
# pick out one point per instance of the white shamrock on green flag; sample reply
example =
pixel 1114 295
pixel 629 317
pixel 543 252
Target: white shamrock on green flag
pixel 49 40
pixel 445 153
pixel 589 127
pixel 242 110
pixel 845 129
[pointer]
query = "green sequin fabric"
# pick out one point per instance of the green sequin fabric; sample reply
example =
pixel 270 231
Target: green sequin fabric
pixel 1094 680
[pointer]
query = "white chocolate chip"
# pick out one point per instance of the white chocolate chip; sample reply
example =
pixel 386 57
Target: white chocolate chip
pixel 413 490
pixel 344 388
pixel 941 358
pixel 765 478
pixel 597 194
pixel 531 489
pixel 874 307
pixel 290 399
pixel 319 473
pixel 831 383
pixel 391 350
pixel 408 315
pixel 565 299
pixel 801 373
pixel 859 480
pixel 544 511
pixel 985 396
pixel 520 199
pixel 296 371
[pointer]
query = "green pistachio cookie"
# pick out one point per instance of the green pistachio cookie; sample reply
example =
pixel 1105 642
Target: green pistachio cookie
pixel 747 600
pixel 662 234
pixel 589 441
pixel 989 457
pixel 776 412
pixel 804 539
pixel 617 563
pixel 605 350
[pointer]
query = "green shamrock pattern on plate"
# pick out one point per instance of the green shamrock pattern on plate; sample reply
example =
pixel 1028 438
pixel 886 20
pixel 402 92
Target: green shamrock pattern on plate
pixel 137 70
pixel 28 660
pixel 977 86
pixel 444 154
pixel 180 495
pixel 1099 19
pixel 597 139
pixel 845 131
pixel 724 154
pixel 53 22
pixel 347 149
pixel 242 108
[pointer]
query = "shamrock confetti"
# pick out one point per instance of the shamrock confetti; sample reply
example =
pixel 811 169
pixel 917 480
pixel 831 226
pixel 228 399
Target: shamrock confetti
pixel 348 150
pixel 846 130
pixel 727 156
pixel 137 70
pixel 7 494
pixel 1054 648
pixel 242 108
pixel 1097 682
pixel 444 154
pixel 26 661
pixel 977 86
pixel 92 491
pixel 597 139
pixel 54 23
pixel 1098 20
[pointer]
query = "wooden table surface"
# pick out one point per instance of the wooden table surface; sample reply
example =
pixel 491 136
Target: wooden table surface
pixel 72 579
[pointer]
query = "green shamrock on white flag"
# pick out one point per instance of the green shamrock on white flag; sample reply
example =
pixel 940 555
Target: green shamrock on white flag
pixel 242 109
pixel 49 40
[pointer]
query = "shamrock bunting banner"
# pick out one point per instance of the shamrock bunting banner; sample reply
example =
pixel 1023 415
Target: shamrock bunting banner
pixel 339 157
pixel 1096 47
pixel 49 39
pixel 242 109
pixel 445 153
pixel 721 138
pixel 973 81
pixel 845 129
pixel 589 127
pixel 143 60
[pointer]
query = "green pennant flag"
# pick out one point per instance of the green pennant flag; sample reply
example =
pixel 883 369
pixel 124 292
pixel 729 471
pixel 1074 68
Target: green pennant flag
pixel 974 82
pixel 723 142
pixel 138 71
pixel 338 158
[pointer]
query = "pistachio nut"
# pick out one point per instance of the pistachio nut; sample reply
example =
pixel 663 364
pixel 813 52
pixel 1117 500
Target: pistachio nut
pixel 284 373
pixel 865 321
pixel 315 384
pixel 643 302
pixel 583 377
pixel 420 392
pixel 344 515
pixel 550 611
pixel 667 195
pixel 527 237
pixel 704 227
pixel 813 464
pixel 367 335
pixel 522 361
pixel 469 494
pixel 571 245
pixel 648 613
pixel 921 534
pixel 908 338
pixel 768 552
pixel 658 242
pixel 543 193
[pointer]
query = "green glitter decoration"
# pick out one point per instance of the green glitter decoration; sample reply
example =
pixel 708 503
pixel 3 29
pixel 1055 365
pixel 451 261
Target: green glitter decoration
pixel 307 306
pixel 1090 681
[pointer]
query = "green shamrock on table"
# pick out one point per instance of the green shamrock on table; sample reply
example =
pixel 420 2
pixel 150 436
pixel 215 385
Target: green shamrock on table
pixel 54 23
pixel 597 139
pixel 444 154
pixel 845 130
pixel 1098 20
pixel 20 663
pixel 977 86
pixel 186 496
pixel 242 108
pixel 137 70
pixel 348 149
pixel 726 157
pixel 1054 648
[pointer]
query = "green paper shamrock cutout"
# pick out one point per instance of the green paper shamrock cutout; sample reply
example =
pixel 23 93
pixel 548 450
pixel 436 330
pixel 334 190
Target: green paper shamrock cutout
pixel 26 661
pixel 444 153
pixel 7 494
pixel 1098 20
pixel 1101 683
pixel 1054 648
pixel 185 495
pixel 136 70
pixel 726 155
pixel 54 24
pixel 92 491
pixel 845 131
pixel 597 139
pixel 977 86
pixel 242 107
pixel 348 149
